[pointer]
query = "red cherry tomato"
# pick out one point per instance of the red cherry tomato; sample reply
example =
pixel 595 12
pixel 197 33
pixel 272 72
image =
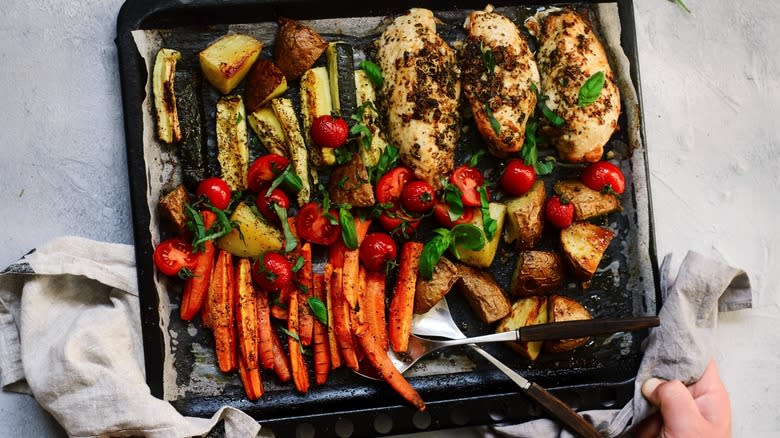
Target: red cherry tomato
pixel 599 175
pixel 376 250
pixel 216 191
pixel 442 214
pixel 265 203
pixel 518 178
pixel 313 226
pixel 329 132
pixel 272 272
pixel 390 185
pixel 264 170
pixel 418 197
pixel 398 223
pixel 173 255
pixel 559 212
pixel 468 180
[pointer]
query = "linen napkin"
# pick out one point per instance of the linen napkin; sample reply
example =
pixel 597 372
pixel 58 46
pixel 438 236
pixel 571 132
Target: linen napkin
pixel 70 334
pixel 680 348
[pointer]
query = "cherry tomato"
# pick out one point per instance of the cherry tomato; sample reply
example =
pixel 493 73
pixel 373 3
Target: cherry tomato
pixel 391 184
pixel 398 222
pixel 559 212
pixel 216 191
pixel 418 197
pixel 329 132
pixel 265 203
pixel 599 175
pixel 272 272
pixel 376 250
pixel 173 255
pixel 264 170
pixel 468 180
pixel 518 178
pixel 442 214
pixel 312 225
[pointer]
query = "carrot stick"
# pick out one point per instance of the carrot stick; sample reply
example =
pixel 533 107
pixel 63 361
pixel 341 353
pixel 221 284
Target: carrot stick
pixel 333 346
pixel 280 305
pixel 250 378
pixel 341 321
pixel 359 311
pixel 375 307
pixel 222 315
pixel 205 311
pixel 281 363
pixel 349 281
pixel 300 373
pixel 306 286
pixel 320 336
pixel 402 305
pixel 264 331
pixel 246 315
pixel 230 274
pixel 196 288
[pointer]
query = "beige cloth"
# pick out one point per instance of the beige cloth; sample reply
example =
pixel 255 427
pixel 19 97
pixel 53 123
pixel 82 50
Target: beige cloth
pixel 70 334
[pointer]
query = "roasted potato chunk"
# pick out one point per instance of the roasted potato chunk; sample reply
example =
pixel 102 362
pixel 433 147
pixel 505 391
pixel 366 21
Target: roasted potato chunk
pixel 172 206
pixel 560 309
pixel 483 258
pixel 227 60
pixel 588 203
pixel 583 246
pixel 525 311
pixel 253 237
pixel 483 294
pixel 430 292
pixel 296 48
pixel 525 220
pixel 349 184
pixel 264 82
pixel 536 273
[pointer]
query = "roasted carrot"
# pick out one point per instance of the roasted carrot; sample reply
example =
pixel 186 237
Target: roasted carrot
pixel 246 315
pixel 230 274
pixel 280 305
pixel 250 378
pixel 196 288
pixel 383 365
pixel 320 336
pixel 221 313
pixel 281 362
pixel 205 311
pixel 375 307
pixel 264 331
pixel 349 281
pixel 402 305
pixel 333 346
pixel 306 286
pixel 342 321
pixel 300 372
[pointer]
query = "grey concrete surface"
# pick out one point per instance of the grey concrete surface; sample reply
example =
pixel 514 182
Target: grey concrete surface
pixel 711 89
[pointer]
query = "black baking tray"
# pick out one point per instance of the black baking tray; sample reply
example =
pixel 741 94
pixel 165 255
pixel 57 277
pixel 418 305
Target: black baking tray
pixel 485 396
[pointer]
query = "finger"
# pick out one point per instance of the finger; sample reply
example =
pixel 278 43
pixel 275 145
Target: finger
pixel 711 396
pixel 709 382
pixel 650 427
pixel 675 401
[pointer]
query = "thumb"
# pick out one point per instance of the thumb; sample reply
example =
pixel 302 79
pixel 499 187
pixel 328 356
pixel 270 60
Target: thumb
pixel 675 401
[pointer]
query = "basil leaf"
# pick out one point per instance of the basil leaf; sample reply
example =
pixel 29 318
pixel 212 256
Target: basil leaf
pixel 319 309
pixel 453 198
pixel 290 242
pixel 343 155
pixel 554 118
pixel 387 160
pixel 373 72
pixel 474 160
pixel 591 89
pixel 348 232
pixel 195 224
pixel 489 225
pixel 431 253
pixel 530 154
pixel 366 136
pixel 493 122
pixel 221 227
pixel 289 178
pixel 298 264
pixel 467 236
pixel 489 59
pixel 290 334
pixel 544 167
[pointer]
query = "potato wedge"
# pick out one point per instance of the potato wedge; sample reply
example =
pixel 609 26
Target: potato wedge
pixel 255 238
pixel 536 273
pixel 430 292
pixel 583 247
pixel 349 184
pixel 172 206
pixel 561 308
pixel 525 220
pixel 483 258
pixel 227 60
pixel 525 311
pixel 296 48
pixel 484 295
pixel 264 82
pixel 588 203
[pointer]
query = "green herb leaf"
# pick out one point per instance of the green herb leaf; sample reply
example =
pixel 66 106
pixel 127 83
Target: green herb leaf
pixel 544 167
pixel 591 89
pixel 348 232
pixel 221 227
pixel 453 198
pixel 298 264
pixel 185 273
pixel 319 309
pixel 239 118
pixel 432 252
pixel 290 180
pixel 474 160
pixel 529 151
pixel 290 334
pixel 373 72
pixel 489 225
pixel 290 242
pixel 682 5
pixel 467 236
pixel 343 155
pixel 387 160
pixel 493 122
pixel 366 137
pixel 489 59
pixel 554 118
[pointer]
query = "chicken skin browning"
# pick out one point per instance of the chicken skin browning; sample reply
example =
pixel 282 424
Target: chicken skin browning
pixel 498 70
pixel 420 94
pixel 568 55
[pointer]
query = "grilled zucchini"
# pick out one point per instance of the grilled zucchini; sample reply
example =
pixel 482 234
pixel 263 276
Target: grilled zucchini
pixel 588 203
pixel 284 111
pixel 583 246
pixel 366 93
pixel 526 220
pixel 232 144
pixel 168 129
pixel 315 102
pixel 269 130
pixel 341 67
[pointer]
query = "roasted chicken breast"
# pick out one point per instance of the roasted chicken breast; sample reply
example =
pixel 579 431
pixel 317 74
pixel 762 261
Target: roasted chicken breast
pixel 420 94
pixel 568 55
pixel 498 70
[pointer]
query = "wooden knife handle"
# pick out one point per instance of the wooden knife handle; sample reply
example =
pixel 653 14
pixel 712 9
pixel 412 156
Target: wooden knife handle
pixel 583 328
pixel 562 412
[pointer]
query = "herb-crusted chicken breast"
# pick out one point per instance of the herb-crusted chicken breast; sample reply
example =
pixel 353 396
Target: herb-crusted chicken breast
pixel 498 70
pixel 569 54
pixel 420 94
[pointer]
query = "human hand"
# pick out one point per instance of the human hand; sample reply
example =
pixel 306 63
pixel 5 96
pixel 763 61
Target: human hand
pixel 699 410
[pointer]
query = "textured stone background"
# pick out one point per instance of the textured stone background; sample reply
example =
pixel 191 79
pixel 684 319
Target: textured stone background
pixel 710 87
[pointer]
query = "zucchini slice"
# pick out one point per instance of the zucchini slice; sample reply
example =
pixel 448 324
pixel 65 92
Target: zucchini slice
pixel 268 129
pixel 232 143
pixel 341 67
pixel 168 130
pixel 192 149
pixel 366 93
pixel 284 111
pixel 315 102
